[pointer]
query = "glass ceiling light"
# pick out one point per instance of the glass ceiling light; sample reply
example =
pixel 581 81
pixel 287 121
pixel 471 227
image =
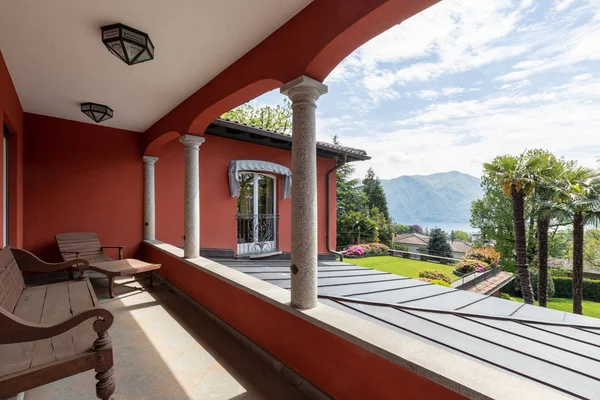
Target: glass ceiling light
pixel 97 112
pixel 130 45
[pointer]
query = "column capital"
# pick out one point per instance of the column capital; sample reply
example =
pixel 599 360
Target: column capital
pixel 191 141
pixel 150 160
pixel 304 85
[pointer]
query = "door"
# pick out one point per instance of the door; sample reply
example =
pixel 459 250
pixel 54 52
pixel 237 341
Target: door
pixel 256 214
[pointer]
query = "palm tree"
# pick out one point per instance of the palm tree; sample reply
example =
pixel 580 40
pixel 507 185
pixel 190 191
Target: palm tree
pixel 517 176
pixel 581 200
pixel 545 209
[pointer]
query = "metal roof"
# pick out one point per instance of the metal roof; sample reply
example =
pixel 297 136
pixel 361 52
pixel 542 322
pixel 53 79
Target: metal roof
pixel 230 129
pixel 553 348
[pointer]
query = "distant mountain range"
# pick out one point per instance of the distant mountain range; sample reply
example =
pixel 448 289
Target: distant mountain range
pixel 441 197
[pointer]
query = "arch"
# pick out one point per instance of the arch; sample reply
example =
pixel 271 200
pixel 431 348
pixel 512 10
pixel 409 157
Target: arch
pixel 153 149
pixel 373 24
pixel 311 43
pixel 241 96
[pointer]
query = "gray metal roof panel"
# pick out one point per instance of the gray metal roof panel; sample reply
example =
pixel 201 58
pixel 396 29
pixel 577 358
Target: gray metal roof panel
pixel 479 327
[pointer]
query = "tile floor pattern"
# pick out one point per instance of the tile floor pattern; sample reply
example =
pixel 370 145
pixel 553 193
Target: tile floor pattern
pixel 164 348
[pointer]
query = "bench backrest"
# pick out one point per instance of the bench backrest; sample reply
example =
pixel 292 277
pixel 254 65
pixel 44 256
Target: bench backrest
pixel 11 280
pixel 86 244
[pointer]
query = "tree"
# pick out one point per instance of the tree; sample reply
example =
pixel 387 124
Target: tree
pixel 460 235
pixel 415 229
pixel 401 229
pixel 355 227
pixel 276 118
pixel 375 194
pixel 351 201
pixel 559 243
pixel 580 199
pixel 591 248
pixel 492 215
pixel 438 244
pixel 385 230
pixel 516 177
pixel 545 209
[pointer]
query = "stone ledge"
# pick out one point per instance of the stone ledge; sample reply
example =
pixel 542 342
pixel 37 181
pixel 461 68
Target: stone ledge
pixel 462 375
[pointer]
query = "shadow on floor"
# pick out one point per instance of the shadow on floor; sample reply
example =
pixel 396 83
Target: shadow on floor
pixel 164 348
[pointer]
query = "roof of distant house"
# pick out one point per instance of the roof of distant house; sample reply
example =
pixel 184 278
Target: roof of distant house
pixel 412 238
pixel 230 129
pixel 459 246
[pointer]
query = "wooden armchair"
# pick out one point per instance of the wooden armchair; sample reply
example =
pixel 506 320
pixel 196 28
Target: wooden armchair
pixel 50 332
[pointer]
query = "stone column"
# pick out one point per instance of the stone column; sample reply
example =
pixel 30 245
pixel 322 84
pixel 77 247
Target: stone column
pixel 304 92
pixel 149 196
pixel 191 211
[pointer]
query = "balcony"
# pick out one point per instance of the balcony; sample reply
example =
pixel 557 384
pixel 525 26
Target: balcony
pixel 165 348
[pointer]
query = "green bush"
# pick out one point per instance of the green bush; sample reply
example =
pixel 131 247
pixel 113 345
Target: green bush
pixel 564 288
pixel 514 288
pixel 558 272
pixel 400 247
pixel 505 296
pixel 440 282
pixel 435 275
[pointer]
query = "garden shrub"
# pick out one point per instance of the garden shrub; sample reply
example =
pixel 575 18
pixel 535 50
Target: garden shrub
pixel 436 282
pixel 559 272
pixel 466 266
pixel 505 296
pixel 400 247
pixel 564 288
pixel 514 288
pixel 436 275
pixel 354 251
pixel 367 249
pixel 487 255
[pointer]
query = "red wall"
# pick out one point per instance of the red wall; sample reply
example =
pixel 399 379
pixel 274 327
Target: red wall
pixel 81 177
pixel 218 227
pixel 338 367
pixel 11 114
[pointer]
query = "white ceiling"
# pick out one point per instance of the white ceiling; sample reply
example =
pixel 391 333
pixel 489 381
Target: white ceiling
pixel 54 52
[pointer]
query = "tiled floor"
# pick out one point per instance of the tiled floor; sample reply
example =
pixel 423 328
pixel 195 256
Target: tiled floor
pixel 166 349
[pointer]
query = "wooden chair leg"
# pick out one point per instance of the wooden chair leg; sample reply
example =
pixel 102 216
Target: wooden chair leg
pixel 152 279
pixel 105 387
pixel 111 286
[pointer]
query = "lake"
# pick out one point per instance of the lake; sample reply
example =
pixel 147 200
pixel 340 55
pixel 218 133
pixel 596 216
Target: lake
pixel 446 226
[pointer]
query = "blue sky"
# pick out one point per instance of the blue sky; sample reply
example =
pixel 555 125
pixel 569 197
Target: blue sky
pixel 466 80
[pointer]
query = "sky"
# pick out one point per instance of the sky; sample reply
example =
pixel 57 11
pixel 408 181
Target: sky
pixel 465 81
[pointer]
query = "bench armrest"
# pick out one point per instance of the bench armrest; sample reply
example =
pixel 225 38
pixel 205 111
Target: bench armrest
pixel 115 247
pixel 17 330
pixel 30 263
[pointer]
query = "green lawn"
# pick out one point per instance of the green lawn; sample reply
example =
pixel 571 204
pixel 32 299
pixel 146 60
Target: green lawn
pixel 400 266
pixel 590 308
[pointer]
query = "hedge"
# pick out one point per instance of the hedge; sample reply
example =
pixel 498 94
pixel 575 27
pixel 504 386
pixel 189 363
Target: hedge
pixel 514 288
pixel 564 288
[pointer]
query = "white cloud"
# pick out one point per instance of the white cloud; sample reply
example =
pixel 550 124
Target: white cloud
pixel 462 135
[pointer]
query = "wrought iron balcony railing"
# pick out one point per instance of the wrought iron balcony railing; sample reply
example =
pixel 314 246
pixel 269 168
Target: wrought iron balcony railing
pixel 257 233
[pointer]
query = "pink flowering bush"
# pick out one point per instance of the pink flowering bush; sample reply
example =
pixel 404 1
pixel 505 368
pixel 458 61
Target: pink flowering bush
pixel 367 249
pixel 467 265
pixel 355 251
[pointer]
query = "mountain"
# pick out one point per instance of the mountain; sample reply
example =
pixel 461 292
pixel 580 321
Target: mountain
pixel 441 197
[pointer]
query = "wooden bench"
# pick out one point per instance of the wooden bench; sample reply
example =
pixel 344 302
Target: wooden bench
pixel 87 245
pixel 50 332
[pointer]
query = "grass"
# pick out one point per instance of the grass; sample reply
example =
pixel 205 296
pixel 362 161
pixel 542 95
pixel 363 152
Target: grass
pixel 400 266
pixel 590 308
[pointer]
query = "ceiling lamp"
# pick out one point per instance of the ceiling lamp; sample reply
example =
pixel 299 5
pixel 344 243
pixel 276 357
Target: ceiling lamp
pixel 130 45
pixel 97 112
